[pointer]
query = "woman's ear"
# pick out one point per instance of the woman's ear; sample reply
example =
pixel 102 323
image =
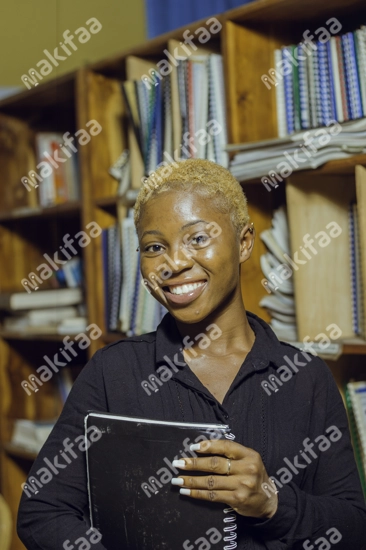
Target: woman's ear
pixel 246 240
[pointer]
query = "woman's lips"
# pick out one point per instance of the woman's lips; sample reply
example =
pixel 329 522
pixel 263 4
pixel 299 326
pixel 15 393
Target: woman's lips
pixel 186 298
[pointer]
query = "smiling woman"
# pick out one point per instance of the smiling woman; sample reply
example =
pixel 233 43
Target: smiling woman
pixel 194 238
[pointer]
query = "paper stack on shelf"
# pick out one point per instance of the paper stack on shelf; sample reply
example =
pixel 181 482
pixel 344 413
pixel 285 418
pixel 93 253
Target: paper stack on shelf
pixel 312 147
pixel 41 320
pixel 280 303
pixel 31 435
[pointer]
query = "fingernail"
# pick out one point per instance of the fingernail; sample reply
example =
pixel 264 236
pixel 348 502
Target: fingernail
pixel 178 463
pixel 195 446
pixel 186 492
pixel 177 481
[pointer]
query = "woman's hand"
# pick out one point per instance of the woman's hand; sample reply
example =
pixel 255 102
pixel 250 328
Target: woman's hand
pixel 236 477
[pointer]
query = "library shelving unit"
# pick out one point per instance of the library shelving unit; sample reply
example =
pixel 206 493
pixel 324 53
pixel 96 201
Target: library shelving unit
pixel 247 40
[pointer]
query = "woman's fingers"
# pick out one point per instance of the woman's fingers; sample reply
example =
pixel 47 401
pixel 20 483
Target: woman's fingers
pixel 211 483
pixel 223 447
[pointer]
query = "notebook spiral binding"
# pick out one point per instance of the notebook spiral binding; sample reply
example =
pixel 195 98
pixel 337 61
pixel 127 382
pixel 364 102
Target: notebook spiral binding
pixel 230 519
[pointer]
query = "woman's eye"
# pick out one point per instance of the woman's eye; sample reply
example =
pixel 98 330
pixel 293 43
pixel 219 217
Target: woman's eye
pixel 153 248
pixel 200 239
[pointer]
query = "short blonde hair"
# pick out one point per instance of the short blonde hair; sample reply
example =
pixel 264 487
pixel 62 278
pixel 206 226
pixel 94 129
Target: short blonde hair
pixel 205 177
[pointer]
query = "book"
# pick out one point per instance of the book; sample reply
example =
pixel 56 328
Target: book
pixel 350 402
pixel 44 298
pixel 30 434
pixel 132 502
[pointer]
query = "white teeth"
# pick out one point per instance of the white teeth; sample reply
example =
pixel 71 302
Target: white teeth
pixel 183 289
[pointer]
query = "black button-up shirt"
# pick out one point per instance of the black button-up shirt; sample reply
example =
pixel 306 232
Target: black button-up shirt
pixel 283 403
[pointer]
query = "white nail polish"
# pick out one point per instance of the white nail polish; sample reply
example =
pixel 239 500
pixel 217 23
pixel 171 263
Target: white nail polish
pixel 177 481
pixel 186 492
pixel 178 463
pixel 195 447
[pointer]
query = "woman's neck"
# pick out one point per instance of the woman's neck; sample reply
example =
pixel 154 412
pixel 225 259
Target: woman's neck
pixel 232 333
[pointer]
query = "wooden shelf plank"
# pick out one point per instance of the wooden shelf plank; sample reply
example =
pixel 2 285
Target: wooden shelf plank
pixel 12 335
pixel 66 209
pixel 20 452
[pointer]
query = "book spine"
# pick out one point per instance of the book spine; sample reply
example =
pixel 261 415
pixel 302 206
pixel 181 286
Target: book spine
pixel 352 82
pixel 280 100
pixel 342 78
pixel 360 41
pixel 335 79
pixel 303 88
pixel 318 105
pixel 331 81
pixel 324 80
pixel 296 90
pixel 289 95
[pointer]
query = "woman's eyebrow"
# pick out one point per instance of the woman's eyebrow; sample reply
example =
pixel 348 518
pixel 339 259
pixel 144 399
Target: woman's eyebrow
pixel 151 232
pixel 193 223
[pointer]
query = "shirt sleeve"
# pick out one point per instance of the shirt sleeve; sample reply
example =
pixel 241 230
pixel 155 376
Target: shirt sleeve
pixel 330 498
pixel 53 512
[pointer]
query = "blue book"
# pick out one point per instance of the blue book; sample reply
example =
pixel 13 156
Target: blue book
pixel 289 95
pixel 303 88
pixel 331 83
pixel 327 111
pixel 352 81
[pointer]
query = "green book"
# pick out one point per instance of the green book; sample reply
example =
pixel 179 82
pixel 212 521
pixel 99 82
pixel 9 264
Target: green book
pixel 355 440
pixel 296 88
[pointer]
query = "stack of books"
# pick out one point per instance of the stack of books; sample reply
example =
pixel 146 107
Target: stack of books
pixel 56 311
pixel 278 282
pixel 129 307
pixel 57 170
pixel 327 82
pixel 356 408
pixel 178 116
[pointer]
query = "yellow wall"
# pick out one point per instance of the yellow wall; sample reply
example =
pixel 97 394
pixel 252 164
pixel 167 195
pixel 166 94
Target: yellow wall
pixel 27 27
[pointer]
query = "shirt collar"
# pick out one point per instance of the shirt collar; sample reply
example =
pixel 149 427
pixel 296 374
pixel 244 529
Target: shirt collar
pixel 265 350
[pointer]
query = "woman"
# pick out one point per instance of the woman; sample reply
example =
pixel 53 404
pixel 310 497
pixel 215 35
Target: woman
pixel 194 235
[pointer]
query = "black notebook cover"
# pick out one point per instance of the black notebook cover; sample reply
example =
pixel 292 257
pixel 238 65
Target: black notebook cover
pixel 132 501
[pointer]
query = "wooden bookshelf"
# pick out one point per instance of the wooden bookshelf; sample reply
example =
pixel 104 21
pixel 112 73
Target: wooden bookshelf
pixel 247 40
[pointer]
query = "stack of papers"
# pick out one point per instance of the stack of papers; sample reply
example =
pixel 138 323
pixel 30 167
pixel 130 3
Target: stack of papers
pixel 301 151
pixel 280 302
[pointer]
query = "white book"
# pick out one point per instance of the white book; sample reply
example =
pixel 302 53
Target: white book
pixel 336 80
pixel 280 100
pixel 31 435
pixel 41 299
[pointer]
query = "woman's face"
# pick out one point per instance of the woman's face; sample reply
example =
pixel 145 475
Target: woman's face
pixel 190 254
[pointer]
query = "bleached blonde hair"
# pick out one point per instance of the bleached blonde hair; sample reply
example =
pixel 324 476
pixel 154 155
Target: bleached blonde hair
pixel 202 176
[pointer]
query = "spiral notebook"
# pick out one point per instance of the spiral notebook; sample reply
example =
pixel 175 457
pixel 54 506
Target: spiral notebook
pixel 132 501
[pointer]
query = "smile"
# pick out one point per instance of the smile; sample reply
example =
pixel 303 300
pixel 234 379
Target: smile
pixel 184 293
